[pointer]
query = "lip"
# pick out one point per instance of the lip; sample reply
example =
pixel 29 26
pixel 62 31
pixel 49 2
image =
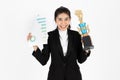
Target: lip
pixel 63 26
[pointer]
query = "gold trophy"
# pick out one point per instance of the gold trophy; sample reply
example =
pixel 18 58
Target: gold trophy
pixel 84 31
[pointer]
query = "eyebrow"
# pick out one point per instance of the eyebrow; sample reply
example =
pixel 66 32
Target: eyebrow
pixel 64 18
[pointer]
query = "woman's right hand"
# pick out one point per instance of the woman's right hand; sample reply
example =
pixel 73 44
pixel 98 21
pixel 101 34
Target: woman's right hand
pixel 29 36
pixel 35 47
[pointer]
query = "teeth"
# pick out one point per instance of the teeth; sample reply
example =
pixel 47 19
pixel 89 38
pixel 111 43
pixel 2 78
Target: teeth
pixel 63 26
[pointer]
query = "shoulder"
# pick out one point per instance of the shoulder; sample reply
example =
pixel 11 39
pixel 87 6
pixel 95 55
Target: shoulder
pixel 71 32
pixel 53 32
pixel 75 33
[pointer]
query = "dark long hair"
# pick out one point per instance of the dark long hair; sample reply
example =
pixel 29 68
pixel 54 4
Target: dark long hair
pixel 62 10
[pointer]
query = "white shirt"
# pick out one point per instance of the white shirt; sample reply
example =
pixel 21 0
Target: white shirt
pixel 64 41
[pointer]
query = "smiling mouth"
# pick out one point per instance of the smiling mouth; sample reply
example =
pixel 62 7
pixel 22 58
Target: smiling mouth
pixel 63 26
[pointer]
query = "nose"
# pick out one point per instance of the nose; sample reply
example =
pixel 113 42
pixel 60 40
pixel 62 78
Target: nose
pixel 63 22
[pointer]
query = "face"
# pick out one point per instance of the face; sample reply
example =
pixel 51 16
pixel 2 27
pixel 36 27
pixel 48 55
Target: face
pixel 63 21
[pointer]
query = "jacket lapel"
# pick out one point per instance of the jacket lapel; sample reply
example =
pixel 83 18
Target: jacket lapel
pixel 69 42
pixel 59 44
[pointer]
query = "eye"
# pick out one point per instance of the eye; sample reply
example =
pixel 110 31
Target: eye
pixel 60 19
pixel 66 19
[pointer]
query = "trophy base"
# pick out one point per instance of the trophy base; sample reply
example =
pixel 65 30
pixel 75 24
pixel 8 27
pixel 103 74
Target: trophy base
pixel 87 43
pixel 88 47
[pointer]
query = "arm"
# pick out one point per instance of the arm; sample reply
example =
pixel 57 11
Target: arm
pixel 42 56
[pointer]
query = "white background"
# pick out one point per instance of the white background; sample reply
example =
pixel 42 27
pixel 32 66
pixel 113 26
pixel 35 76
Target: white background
pixel 16 60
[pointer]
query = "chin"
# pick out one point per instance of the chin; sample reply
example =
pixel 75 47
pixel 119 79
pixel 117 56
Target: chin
pixel 63 29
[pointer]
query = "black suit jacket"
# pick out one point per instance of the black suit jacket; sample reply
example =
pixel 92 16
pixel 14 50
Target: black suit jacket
pixel 62 67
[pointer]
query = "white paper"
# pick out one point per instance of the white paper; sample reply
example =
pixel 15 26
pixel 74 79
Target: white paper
pixel 38 31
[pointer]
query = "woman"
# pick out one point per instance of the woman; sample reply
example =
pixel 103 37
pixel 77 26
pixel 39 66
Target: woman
pixel 65 48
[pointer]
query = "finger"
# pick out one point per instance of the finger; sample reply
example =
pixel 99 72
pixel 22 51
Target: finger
pixel 29 33
pixel 35 47
pixel 29 36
